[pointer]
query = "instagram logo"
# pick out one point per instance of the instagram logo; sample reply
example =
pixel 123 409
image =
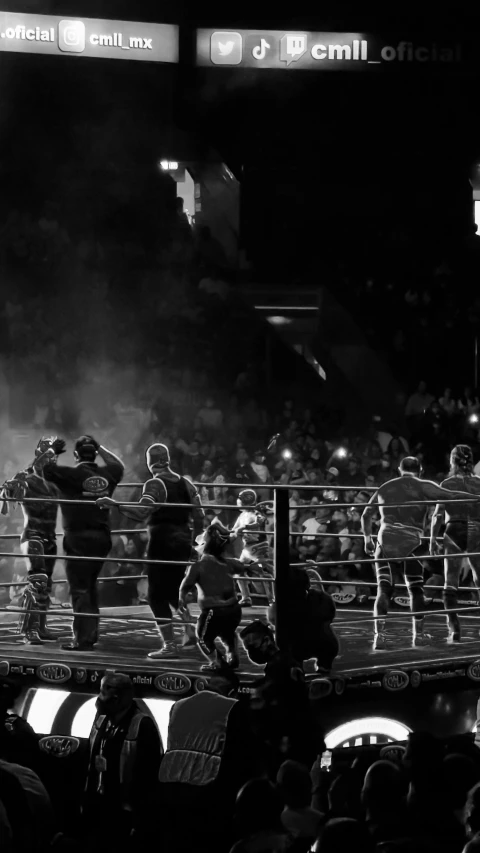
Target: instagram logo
pixel 71 36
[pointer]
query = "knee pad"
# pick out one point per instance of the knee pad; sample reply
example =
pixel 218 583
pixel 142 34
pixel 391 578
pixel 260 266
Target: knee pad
pixel 414 583
pixel 384 582
pixel 35 595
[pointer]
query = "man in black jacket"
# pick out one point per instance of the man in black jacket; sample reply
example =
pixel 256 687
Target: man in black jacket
pixel 87 528
pixel 125 753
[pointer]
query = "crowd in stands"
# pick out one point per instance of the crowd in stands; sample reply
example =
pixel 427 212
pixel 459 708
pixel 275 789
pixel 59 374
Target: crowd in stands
pixel 273 793
pixel 228 444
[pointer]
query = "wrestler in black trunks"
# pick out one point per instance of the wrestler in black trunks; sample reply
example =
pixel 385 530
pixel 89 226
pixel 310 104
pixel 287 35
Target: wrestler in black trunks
pixel 400 536
pixel 220 612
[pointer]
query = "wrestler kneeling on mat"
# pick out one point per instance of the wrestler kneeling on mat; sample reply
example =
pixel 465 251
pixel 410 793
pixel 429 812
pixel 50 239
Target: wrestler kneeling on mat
pixel 220 612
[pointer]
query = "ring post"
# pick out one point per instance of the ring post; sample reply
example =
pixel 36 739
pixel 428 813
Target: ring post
pixel 282 568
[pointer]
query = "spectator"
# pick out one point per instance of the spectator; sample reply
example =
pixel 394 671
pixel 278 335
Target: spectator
pixel 258 819
pixel 447 403
pixel 342 834
pixel 384 801
pixel 211 417
pixel 396 453
pixel 417 405
pixel 469 403
pixel 353 476
pixel 299 819
pixel 472 819
pixel 242 471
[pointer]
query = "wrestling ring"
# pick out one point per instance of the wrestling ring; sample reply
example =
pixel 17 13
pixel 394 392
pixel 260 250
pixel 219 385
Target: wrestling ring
pixel 128 634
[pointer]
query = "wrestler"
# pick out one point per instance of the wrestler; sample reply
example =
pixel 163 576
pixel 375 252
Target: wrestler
pixel 38 539
pixel 462 532
pixel 220 612
pixel 170 538
pixel 400 536
pixel 87 530
pixel 250 526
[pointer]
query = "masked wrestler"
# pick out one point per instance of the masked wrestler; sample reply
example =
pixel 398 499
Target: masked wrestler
pixel 220 612
pixel 256 554
pixel 170 537
pixel 38 540
pixel 462 531
pixel 402 507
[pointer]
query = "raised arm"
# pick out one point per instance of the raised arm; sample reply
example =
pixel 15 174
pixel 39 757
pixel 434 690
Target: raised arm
pixel 110 458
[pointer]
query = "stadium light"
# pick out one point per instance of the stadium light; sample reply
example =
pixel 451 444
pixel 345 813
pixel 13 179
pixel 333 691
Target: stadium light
pixel 367 726
pixel 44 708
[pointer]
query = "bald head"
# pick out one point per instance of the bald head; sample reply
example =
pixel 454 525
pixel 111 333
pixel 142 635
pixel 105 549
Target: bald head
pixel 116 694
pixel 411 465
pixel 118 681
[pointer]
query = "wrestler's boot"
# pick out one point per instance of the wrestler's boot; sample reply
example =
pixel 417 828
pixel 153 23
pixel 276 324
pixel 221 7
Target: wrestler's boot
pixel 169 649
pixel 35 598
pixel 183 616
pixel 450 602
pixel 36 555
pixel 417 604
pixel 382 604
pixel 213 657
pixel 232 657
pixel 246 600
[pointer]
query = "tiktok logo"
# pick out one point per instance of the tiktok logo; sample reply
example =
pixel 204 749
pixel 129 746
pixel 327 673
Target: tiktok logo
pixel 260 51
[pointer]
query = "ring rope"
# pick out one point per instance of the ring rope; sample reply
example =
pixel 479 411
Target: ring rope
pixel 420 558
pixel 407 615
pixel 251 579
pixel 180 622
pixel 255 486
pixel 149 506
pixel 230 507
pixel 70 614
pixel 98 559
pixel 336 582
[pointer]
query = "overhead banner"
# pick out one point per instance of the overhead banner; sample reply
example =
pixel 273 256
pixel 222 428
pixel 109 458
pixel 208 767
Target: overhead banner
pixel 304 51
pixel 56 36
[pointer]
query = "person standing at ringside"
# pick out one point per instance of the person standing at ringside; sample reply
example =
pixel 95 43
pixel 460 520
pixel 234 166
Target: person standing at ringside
pixel 87 530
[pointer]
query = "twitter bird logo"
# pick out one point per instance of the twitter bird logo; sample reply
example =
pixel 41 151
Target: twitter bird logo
pixel 226 48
